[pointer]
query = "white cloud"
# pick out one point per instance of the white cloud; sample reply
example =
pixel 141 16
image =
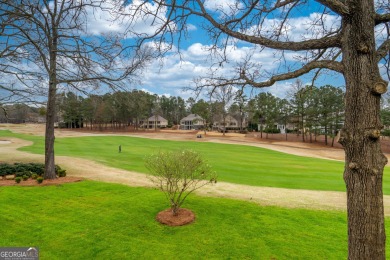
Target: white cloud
pixel 305 27
pixel 227 7
pixel 137 18
pixel 191 27
pixel 176 73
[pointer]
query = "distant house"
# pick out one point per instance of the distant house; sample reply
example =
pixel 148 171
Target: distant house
pixel 280 126
pixel 154 122
pixel 192 122
pixel 229 123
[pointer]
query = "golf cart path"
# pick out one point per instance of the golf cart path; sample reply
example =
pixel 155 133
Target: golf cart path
pixel 290 198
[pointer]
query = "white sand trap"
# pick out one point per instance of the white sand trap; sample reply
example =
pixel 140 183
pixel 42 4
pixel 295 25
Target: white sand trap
pixel 5 142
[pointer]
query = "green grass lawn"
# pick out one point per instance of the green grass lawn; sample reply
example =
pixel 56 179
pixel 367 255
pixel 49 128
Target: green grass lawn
pixel 233 163
pixel 94 220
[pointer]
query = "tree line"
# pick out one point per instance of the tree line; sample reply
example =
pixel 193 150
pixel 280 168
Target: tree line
pixel 307 110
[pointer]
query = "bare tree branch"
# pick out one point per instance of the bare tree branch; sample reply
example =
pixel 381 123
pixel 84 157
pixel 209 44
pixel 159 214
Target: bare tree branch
pixel 336 6
pixel 383 50
pixel 326 42
pixel 382 18
pixel 332 65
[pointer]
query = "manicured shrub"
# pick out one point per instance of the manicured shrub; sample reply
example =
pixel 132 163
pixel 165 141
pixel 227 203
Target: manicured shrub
pixel 6 169
pixel 37 168
pixel 40 180
pixel 34 176
pixel 18 179
pixel 24 173
pixel 25 177
pixel 57 169
pixel 62 173
pixel 22 168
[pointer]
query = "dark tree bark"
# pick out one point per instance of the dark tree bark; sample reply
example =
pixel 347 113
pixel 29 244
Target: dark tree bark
pixel 364 161
pixel 51 106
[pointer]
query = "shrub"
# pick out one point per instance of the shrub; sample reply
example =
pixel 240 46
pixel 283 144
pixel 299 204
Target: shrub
pixel 34 176
pixel 6 169
pixel 38 168
pixel 385 132
pixel 272 131
pixel 25 177
pixel 178 174
pixel 62 173
pixel 22 168
pixel 40 180
pixel 18 179
pixel 24 173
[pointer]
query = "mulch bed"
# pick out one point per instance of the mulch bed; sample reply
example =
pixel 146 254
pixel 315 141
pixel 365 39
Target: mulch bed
pixel 184 217
pixel 31 182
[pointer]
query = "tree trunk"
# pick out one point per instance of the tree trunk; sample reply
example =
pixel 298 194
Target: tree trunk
pixel 50 115
pixel 360 136
pixel 326 134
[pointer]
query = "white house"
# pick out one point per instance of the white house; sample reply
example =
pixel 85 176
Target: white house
pixel 192 122
pixel 154 122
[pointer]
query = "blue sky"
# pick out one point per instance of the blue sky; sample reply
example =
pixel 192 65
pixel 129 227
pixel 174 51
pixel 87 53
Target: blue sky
pixel 178 72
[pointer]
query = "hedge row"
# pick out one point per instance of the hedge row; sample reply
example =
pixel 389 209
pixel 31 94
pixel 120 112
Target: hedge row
pixel 20 169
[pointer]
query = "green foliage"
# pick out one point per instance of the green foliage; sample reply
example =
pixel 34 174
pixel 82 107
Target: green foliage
pixel 61 173
pixel 20 169
pixel 18 179
pixel 178 174
pixel 385 132
pixel 272 131
pixel 6 169
pixel 34 176
pixel 25 177
pixel 90 220
pixel 24 173
pixel 40 180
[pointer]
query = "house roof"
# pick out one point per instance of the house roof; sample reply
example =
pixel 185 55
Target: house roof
pixel 159 118
pixel 229 118
pixel 191 117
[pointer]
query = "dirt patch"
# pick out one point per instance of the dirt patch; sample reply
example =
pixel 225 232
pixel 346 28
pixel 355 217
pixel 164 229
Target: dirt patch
pixel 31 182
pixel 183 217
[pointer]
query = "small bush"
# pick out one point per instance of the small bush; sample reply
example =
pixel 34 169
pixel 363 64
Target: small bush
pixel 24 169
pixel 62 173
pixel 18 179
pixel 24 173
pixel 57 169
pixel 6 169
pixel 34 176
pixel 40 180
pixel 25 177
pixel 178 174
pixel 385 132
pixel 272 131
